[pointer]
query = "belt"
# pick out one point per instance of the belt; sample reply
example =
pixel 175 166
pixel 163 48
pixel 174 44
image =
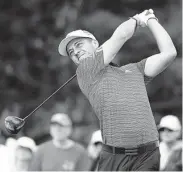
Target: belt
pixel 133 150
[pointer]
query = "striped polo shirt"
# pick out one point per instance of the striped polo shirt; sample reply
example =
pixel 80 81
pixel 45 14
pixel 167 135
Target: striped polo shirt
pixel 119 98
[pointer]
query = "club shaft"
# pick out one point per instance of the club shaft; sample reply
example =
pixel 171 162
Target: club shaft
pixel 50 97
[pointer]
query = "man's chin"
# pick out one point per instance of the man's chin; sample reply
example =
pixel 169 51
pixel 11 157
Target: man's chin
pixel 83 57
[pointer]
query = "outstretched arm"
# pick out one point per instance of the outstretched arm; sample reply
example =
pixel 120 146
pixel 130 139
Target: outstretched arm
pixel 158 62
pixel 122 33
pixel 119 37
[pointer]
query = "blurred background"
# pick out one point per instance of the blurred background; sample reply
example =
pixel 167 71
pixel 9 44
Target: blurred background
pixel 31 67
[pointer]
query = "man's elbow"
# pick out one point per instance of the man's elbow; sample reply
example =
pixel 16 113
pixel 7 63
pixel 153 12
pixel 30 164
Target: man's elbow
pixel 172 53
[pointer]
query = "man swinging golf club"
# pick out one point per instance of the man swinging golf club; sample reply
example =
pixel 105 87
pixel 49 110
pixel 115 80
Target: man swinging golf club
pixel 118 94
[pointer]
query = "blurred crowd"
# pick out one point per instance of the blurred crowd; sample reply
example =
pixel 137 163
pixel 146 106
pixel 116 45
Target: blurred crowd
pixel 60 153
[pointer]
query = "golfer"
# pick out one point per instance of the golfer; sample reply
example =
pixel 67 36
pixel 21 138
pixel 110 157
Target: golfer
pixel 118 94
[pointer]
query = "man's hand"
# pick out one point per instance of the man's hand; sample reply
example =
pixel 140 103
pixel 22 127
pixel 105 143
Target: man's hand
pixel 143 17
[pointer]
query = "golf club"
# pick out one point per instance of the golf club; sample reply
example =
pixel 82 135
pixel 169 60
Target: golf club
pixel 13 124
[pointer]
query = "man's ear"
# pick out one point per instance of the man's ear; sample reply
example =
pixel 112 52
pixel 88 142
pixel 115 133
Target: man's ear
pixel 95 43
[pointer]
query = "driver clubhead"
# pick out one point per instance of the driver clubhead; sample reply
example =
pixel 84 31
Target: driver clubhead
pixel 14 124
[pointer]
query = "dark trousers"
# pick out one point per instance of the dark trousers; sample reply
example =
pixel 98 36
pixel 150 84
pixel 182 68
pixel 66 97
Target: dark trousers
pixel 147 161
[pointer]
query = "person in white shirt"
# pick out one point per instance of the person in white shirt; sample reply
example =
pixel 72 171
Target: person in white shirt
pixel 4 156
pixel 95 143
pixel 6 153
pixel 94 148
pixel 24 151
pixel 170 130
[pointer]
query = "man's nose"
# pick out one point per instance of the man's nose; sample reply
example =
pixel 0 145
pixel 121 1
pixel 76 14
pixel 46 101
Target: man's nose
pixel 77 52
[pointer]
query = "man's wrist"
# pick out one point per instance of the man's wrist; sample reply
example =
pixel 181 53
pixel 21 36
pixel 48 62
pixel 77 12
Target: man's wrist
pixel 136 22
pixel 133 19
pixel 152 18
pixel 136 18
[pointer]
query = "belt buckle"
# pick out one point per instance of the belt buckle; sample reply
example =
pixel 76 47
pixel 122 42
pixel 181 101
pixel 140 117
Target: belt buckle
pixel 133 151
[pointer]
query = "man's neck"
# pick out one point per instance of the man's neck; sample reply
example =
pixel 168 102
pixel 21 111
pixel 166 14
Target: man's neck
pixel 64 144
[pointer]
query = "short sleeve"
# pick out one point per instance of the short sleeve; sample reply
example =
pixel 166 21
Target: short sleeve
pixel 84 162
pixel 35 164
pixel 141 67
pixel 91 66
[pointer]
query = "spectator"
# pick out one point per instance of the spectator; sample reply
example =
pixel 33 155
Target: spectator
pixel 4 156
pixel 170 130
pixel 24 153
pixel 61 153
pixel 94 149
pixel 175 159
pixel 11 144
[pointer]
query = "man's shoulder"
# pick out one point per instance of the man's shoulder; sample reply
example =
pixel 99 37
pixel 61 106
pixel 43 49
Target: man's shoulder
pixel 99 49
pixel 3 148
pixel 45 145
pixel 178 145
pixel 79 147
pixel 163 146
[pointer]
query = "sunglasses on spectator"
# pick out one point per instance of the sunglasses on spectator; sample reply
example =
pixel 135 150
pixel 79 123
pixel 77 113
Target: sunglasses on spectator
pixel 97 143
pixel 166 129
pixel 56 123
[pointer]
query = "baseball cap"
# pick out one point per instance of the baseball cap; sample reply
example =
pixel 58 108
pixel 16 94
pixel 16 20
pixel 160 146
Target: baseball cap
pixel 27 142
pixel 96 137
pixel 72 35
pixel 62 119
pixel 171 122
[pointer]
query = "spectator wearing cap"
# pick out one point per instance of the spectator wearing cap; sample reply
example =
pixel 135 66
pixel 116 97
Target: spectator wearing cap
pixel 61 153
pixel 175 159
pixel 94 149
pixel 170 130
pixel 25 148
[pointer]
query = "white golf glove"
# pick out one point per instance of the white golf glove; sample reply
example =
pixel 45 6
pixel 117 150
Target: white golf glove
pixel 143 17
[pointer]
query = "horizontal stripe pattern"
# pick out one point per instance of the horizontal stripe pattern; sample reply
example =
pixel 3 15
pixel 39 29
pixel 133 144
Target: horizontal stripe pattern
pixel 119 99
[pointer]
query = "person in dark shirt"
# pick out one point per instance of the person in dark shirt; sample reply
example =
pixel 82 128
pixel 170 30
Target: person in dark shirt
pixel 60 153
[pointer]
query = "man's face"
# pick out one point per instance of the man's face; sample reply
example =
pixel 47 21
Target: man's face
pixel 59 132
pixel 81 48
pixel 168 135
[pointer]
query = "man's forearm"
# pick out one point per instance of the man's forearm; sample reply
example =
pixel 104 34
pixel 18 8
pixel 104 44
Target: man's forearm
pixel 163 39
pixel 156 63
pixel 122 33
pixel 125 30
